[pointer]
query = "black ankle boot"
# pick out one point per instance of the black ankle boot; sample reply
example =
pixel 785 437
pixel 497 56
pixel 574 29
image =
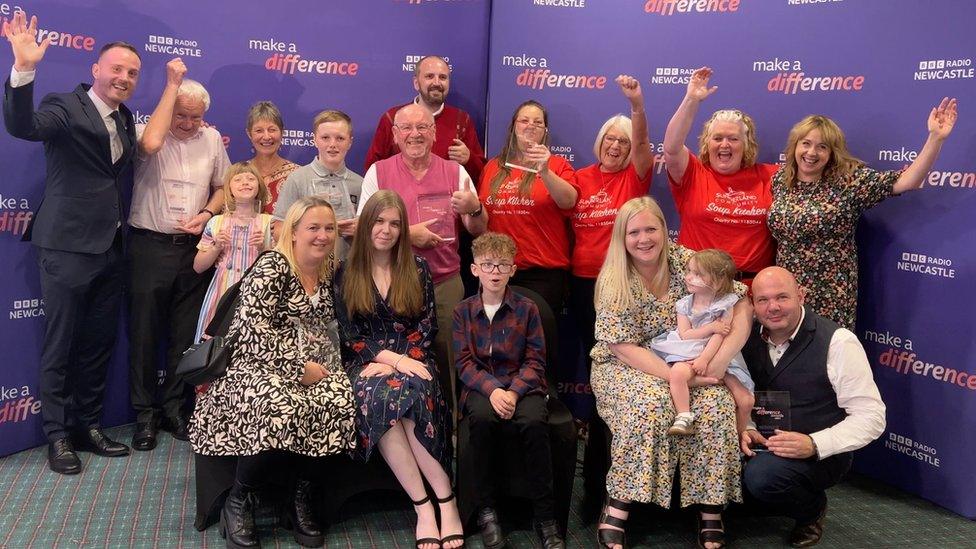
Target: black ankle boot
pixel 300 517
pixel 237 518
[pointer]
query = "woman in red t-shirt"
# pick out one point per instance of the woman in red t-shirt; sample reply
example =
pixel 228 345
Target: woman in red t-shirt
pixel 532 208
pixel 722 196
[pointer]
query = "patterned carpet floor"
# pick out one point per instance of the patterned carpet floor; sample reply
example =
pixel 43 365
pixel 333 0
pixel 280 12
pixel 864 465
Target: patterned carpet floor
pixel 147 500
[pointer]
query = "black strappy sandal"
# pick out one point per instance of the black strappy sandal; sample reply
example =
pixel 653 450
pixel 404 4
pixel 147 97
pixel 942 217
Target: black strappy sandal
pixel 608 537
pixel 711 530
pixel 452 537
pixel 425 541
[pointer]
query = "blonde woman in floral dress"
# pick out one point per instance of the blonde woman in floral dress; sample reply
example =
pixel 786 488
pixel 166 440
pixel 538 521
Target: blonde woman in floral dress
pixel 641 279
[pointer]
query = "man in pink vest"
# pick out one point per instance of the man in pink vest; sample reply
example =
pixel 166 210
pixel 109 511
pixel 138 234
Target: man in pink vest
pixel 438 195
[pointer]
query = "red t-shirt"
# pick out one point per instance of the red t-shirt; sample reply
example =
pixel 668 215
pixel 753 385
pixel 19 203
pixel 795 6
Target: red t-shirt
pixel 535 223
pixel 727 212
pixel 600 197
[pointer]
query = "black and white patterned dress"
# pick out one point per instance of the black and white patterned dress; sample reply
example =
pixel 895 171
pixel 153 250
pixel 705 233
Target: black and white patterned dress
pixel 260 403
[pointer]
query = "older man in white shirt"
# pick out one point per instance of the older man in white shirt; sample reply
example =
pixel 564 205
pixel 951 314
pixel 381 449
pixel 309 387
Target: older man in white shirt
pixel 834 404
pixel 179 173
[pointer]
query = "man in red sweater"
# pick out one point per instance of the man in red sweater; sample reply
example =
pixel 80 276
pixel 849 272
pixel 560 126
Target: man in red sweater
pixel 457 136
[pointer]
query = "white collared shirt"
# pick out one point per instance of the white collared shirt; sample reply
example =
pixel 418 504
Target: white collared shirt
pixel 196 165
pixel 18 79
pixel 851 378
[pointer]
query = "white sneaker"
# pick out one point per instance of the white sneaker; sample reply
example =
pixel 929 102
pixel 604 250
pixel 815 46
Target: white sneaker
pixel 683 425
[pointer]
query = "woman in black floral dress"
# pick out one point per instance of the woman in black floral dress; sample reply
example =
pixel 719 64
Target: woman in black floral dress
pixel 387 322
pixel 284 396
pixel 818 198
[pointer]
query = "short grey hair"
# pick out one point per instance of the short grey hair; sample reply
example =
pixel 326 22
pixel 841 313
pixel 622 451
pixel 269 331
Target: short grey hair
pixel 194 90
pixel 621 122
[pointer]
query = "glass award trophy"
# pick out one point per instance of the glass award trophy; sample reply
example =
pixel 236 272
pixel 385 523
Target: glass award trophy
pixel 317 342
pixel 177 207
pixel 437 206
pixel 241 229
pixel 515 159
pixel 771 413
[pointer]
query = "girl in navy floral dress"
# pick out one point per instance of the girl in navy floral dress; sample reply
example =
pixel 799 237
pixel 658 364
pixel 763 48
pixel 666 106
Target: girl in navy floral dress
pixel 387 323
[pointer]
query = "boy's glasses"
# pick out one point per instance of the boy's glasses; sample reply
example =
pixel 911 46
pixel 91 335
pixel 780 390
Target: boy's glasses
pixel 502 268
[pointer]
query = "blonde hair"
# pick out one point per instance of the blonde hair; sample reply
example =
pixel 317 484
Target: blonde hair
pixel 288 227
pixel 494 244
pixel 751 150
pixel 621 122
pixel 525 186
pixel 841 163
pixel 618 274
pixel 261 199
pixel 405 295
pixel 331 116
pixel 719 266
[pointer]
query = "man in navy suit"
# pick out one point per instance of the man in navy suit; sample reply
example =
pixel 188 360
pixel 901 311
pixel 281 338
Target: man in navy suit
pixel 89 141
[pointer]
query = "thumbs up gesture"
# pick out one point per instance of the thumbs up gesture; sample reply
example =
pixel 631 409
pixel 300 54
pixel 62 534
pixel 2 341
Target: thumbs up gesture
pixel 465 201
pixel 458 152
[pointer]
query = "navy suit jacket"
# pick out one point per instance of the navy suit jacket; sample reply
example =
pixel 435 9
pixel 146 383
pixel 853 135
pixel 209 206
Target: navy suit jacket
pixel 84 194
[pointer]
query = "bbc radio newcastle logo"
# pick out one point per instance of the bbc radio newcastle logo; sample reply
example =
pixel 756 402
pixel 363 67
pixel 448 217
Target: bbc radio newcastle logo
pixel 297 138
pixel 410 62
pixel 26 308
pixel 172 46
pixel 913 449
pixel 678 76
pixel 945 69
pixel 928 265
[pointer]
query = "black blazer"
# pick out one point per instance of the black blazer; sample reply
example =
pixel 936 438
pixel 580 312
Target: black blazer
pixel 83 202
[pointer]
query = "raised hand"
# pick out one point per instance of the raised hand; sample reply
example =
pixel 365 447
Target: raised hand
pixel 698 84
pixel 631 88
pixel 23 41
pixel 943 118
pixel 175 70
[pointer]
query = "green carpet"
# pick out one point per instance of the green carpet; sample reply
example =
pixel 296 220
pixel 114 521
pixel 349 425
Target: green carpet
pixel 147 500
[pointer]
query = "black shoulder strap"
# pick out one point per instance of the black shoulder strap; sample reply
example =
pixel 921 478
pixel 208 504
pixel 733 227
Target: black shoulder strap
pixel 224 313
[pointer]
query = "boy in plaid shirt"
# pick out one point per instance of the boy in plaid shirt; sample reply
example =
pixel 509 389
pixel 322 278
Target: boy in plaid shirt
pixel 500 354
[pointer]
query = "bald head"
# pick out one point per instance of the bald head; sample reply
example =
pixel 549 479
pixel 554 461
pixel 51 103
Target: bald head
pixel 413 131
pixel 778 302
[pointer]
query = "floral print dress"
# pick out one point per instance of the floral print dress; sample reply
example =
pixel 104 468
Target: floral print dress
pixel 814 225
pixel 382 401
pixel 638 409
pixel 260 404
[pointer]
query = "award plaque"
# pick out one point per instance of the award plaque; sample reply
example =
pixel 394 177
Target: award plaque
pixel 437 206
pixel 177 206
pixel 317 341
pixel 771 413
pixel 514 159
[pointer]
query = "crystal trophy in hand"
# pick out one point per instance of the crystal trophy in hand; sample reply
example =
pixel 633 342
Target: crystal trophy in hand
pixel 437 207
pixel 771 413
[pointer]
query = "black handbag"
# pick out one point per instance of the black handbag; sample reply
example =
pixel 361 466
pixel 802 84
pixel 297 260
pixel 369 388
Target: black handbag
pixel 207 360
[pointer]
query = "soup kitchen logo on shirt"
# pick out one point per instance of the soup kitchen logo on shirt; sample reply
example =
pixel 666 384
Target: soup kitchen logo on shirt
pixel 15 215
pixel 736 208
pixel 681 7
pixel 284 58
pixel 537 75
pixel 944 69
pixel 61 39
pixel 172 46
pixel 790 79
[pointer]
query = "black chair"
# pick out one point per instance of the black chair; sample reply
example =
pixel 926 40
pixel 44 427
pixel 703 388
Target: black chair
pixel 511 472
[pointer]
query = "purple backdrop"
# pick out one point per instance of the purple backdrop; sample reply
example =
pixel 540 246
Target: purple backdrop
pixel 898 59
pixel 383 38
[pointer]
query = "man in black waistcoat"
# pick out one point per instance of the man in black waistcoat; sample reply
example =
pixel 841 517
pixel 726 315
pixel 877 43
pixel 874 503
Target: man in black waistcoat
pixel 835 407
pixel 89 140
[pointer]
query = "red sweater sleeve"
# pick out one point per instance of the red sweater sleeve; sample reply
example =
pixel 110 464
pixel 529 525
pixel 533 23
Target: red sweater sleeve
pixel 382 146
